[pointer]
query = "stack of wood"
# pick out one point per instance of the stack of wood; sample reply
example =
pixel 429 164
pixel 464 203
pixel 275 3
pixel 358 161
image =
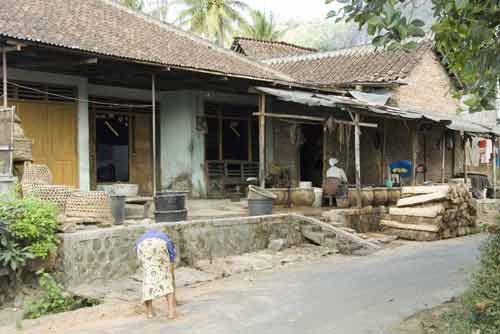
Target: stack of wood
pixel 429 213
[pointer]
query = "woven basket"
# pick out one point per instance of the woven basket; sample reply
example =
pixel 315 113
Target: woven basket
pixel 36 174
pixel 56 194
pixel 89 204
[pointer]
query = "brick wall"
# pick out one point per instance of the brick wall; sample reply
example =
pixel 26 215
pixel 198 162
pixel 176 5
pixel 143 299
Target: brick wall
pixel 429 88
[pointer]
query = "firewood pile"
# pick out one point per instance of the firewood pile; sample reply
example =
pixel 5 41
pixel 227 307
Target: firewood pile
pixel 431 213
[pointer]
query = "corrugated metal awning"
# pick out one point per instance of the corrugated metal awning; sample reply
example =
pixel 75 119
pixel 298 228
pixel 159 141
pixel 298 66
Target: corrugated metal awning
pixel 452 122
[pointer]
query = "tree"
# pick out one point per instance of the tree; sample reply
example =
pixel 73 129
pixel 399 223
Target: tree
pixel 262 27
pixel 466 34
pixel 214 19
pixel 137 5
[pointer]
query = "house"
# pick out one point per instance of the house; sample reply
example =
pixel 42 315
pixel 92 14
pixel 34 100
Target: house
pixel 411 79
pixel 111 95
pixel 82 86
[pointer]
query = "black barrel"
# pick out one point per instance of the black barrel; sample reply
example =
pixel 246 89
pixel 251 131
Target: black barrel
pixel 170 200
pixel 170 216
pixel 170 206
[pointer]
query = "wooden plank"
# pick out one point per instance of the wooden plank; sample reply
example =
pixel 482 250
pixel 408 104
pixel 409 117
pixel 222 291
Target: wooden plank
pixel 413 227
pixel 262 141
pixel 425 189
pixel 339 232
pixel 430 211
pixel 421 199
pixel 315 119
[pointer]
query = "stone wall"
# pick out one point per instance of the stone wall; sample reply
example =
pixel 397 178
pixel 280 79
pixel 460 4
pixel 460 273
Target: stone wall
pixel 488 211
pixel 362 220
pixel 429 88
pixel 109 253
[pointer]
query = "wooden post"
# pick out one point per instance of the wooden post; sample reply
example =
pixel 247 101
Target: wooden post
pixel 414 143
pixel 153 97
pixel 325 153
pixel 494 161
pixel 4 77
pixel 262 140
pixel 443 156
pixel 465 161
pixel 357 157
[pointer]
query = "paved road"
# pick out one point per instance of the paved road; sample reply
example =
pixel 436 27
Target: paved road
pixel 361 295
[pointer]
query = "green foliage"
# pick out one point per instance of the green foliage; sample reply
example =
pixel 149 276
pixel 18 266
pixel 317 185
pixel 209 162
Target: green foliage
pixel 262 27
pixel 137 5
pixel 214 19
pixel 479 311
pixel 11 254
pixel 466 34
pixel 54 299
pixel 27 230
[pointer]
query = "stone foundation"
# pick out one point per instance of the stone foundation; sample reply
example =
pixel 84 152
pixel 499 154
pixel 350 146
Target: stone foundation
pixel 488 211
pixel 109 253
pixel 362 220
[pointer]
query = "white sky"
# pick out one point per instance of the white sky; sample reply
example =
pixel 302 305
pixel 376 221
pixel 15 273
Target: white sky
pixel 283 10
pixel 289 9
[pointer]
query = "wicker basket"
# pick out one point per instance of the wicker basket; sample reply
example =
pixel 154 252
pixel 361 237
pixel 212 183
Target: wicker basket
pixel 36 174
pixel 91 204
pixel 56 194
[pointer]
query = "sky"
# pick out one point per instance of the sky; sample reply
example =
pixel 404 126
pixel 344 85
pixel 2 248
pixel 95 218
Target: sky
pixel 293 9
pixel 283 10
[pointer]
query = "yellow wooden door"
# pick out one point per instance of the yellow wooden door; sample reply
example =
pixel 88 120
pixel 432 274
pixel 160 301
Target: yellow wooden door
pixel 53 128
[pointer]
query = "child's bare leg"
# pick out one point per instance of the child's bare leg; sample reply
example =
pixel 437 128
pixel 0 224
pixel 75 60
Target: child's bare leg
pixel 149 308
pixel 172 312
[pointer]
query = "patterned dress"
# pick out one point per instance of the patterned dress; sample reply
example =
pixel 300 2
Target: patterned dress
pixel 154 259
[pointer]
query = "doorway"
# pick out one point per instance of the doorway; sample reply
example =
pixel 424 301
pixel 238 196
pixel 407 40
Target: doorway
pixel 112 148
pixel 311 154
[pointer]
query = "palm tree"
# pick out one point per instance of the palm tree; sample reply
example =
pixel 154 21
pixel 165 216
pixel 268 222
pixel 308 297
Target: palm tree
pixel 262 27
pixel 214 19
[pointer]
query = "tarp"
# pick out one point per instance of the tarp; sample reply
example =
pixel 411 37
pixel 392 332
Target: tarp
pixel 452 122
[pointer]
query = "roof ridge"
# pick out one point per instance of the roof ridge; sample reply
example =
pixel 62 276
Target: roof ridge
pixel 355 50
pixel 268 41
pixel 197 39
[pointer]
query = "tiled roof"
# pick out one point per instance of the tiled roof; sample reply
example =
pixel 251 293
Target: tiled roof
pixel 102 27
pixel 361 64
pixel 262 49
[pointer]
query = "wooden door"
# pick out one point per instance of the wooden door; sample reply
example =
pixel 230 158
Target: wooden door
pixel 53 128
pixel 141 153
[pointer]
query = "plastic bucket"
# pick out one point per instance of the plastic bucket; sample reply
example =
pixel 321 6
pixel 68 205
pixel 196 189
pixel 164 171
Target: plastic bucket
pixel 260 207
pixel 118 209
pixel 318 198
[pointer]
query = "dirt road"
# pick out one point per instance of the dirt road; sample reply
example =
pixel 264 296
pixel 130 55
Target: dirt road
pixel 365 295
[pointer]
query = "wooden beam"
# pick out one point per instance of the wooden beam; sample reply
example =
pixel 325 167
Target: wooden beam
pixel 316 119
pixel 357 157
pixel 465 161
pixel 153 101
pixel 443 155
pixel 338 231
pixel 262 140
pixel 413 149
pixel 325 153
